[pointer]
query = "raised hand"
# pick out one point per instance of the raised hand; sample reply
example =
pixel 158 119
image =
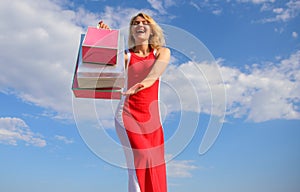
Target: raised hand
pixel 102 25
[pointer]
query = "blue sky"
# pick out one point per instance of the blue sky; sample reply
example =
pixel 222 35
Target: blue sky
pixel 46 135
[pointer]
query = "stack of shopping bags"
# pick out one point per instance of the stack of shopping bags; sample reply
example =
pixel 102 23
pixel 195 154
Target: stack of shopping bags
pixel 99 71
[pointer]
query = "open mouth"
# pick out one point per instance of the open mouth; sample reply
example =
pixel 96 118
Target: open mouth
pixel 140 31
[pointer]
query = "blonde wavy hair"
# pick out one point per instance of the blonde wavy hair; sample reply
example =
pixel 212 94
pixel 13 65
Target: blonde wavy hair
pixel 157 38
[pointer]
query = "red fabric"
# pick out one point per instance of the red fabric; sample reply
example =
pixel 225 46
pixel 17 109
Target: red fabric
pixel 142 122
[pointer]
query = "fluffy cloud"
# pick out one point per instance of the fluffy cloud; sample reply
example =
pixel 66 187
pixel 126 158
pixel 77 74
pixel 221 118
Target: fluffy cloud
pixel 161 6
pixel 38 46
pixel 158 5
pixel 64 139
pixel 13 130
pixel 213 6
pixel 193 87
pixel 285 13
pixel 180 168
pixel 256 1
pixel 121 20
pixel 295 35
pixel 38 56
pixel 264 92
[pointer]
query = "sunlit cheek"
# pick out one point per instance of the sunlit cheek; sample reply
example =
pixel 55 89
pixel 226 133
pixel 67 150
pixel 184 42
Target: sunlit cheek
pixel 148 28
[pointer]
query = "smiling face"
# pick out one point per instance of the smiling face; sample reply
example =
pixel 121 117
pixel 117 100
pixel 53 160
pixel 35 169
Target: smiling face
pixel 140 30
pixel 144 30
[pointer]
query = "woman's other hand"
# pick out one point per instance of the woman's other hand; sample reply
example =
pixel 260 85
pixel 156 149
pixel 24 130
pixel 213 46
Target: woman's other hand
pixel 134 89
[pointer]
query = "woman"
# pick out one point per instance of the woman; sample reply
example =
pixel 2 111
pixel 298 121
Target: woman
pixel 138 119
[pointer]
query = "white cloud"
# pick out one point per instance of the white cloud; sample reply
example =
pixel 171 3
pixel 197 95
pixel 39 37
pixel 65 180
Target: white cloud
pixel 282 11
pixel 157 5
pixel 38 46
pixel 39 57
pixel 13 130
pixel 217 11
pixel 260 94
pixel 169 3
pixel 180 168
pixel 279 30
pixel 161 6
pixel 64 139
pixel 278 10
pixel 265 93
pixel 213 6
pixel 256 1
pixel 189 83
pixel 195 5
pixel 290 10
pixel 295 35
pixel 123 17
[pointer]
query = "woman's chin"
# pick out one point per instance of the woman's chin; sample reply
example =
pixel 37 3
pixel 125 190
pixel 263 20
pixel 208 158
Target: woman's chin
pixel 141 37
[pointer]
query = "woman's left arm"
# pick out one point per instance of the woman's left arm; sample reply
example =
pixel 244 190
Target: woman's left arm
pixel 161 63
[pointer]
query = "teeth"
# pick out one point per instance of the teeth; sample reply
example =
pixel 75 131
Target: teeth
pixel 140 31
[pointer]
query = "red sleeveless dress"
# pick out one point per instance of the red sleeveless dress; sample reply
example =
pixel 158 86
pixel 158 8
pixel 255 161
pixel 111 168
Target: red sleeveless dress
pixel 139 117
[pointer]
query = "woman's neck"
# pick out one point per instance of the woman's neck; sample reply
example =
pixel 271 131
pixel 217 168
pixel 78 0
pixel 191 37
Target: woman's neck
pixel 142 50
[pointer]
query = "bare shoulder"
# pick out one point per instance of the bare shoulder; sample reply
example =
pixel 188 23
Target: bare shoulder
pixel 163 51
